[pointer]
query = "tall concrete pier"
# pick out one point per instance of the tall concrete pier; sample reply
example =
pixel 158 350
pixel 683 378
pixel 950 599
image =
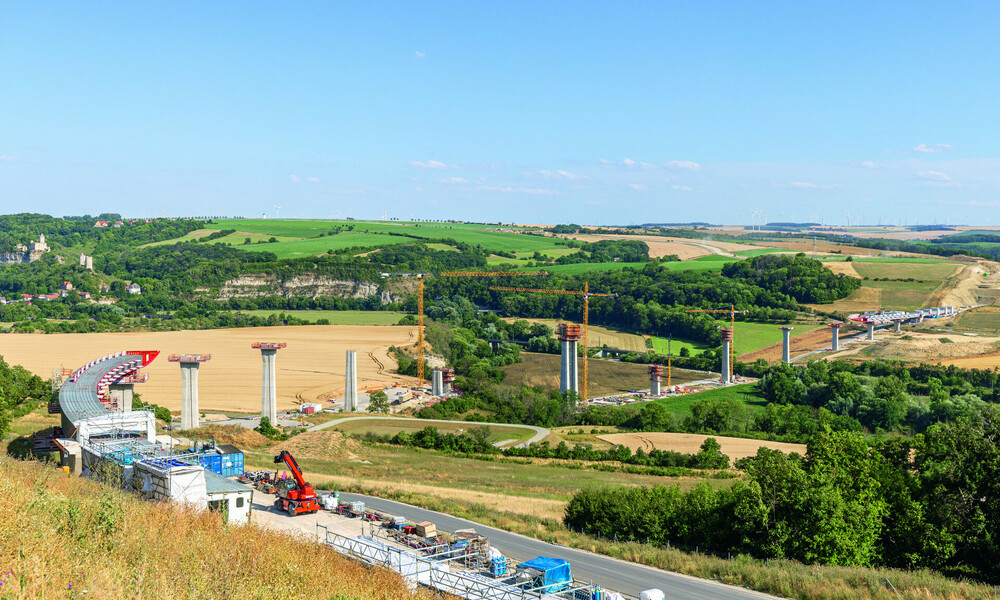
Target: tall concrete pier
pixel 895 325
pixel 727 343
pixel 655 377
pixel 351 382
pixel 437 382
pixel 786 344
pixel 569 335
pixel 189 386
pixel 269 382
pixel 835 340
pixel 121 395
pixel 871 332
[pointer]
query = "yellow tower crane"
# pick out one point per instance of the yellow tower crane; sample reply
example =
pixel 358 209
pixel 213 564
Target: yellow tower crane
pixel 732 312
pixel 420 305
pixel 586 293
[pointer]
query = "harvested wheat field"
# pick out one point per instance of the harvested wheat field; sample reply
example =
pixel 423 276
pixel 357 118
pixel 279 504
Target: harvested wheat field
pixel 310 369
pixel 660 246
pixel 690 443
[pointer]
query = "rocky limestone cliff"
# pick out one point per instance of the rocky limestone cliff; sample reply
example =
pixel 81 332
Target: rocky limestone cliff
pixel 14 258
pixel 254 286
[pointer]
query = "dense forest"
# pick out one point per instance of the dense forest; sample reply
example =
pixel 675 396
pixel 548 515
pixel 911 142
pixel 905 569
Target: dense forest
pixel 930 501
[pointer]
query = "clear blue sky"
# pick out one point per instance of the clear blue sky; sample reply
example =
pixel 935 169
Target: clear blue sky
pixel 537 112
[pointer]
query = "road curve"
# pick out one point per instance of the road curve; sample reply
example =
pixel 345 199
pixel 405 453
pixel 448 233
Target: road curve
pixel 611 573
pixel 540 432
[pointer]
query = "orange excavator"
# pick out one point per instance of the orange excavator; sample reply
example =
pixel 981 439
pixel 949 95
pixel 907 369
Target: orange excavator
pixel 295 495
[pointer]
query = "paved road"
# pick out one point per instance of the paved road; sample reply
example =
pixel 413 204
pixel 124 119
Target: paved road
pixel 625 577
pixel 540 432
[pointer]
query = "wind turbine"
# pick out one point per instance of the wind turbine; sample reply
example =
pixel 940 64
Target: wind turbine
pixel 276 207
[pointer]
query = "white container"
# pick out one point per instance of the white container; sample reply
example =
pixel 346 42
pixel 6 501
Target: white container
pixel 651 595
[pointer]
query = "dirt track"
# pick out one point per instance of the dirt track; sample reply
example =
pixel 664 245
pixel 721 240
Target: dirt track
pixel 310 369
pixel 689 443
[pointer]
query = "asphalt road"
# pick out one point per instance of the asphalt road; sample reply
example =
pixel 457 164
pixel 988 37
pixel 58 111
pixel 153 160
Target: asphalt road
pixel 540 432
pixel 610 573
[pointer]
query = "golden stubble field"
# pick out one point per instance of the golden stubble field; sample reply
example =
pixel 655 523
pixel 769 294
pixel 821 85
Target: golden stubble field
pixel 310 369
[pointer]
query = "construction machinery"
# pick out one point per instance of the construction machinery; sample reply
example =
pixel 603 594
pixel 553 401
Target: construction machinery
pixel 295 496
pixel 732 312
pixel 586 293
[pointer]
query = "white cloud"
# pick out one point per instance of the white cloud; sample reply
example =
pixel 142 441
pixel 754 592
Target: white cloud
pixel 312 179
pixel 11 159
pixel 637 186
pixel 557 174
pixel 803 184
pixel 420 54
pixel 295 178
pixel 925 149
pixel 682 188
pixel 682 164
pixel 866 164
pixel 628 162
pixel 430 164
pixel 938 179
pixel 454 180
pixel 934 175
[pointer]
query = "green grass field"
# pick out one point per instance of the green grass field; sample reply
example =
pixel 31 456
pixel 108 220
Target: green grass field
pixel 980 319
pixel 751 337
pixel 759 251
pixel 936 271
pixel 746 393
pixel 375 233
pixel 660 346
pixel 337 317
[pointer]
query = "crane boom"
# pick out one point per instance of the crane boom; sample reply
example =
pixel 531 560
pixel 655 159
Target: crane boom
pixel 293 466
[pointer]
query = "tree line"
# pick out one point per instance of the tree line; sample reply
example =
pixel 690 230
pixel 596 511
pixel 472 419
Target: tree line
pixel 932 501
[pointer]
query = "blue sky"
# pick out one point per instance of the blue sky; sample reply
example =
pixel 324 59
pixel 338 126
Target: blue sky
pixel 532 112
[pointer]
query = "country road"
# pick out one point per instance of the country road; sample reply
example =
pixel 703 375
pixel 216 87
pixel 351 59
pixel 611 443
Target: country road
pixel 540 432
pixel 611 573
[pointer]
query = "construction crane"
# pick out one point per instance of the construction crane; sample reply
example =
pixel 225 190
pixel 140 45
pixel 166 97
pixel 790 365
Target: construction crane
pixel 586 293
pixel 420 301
pixel 732 312
pixel 296 495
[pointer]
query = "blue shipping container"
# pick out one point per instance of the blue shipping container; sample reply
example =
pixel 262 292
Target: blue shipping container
pixel 212 462
pixel 232 465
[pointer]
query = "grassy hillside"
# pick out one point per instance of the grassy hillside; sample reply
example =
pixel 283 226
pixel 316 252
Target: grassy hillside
pixel 301 238
pixel 66 537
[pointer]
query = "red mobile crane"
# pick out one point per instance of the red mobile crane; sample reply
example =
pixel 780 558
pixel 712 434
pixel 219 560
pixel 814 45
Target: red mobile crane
pixel 295 496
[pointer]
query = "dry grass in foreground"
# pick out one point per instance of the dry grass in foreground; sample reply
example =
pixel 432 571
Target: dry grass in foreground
pixel 63 537
pixel 782 578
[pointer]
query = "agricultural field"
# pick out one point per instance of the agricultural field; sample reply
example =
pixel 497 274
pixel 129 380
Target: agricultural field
pixel 310 369
pixel 336 317
pixel 932 280
pixel 750 337
pixel 526 486
pixel 690 443
pixel 660 346
pixel 375 233
pixel 606 377
pixel 986 318
pixel 745 393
